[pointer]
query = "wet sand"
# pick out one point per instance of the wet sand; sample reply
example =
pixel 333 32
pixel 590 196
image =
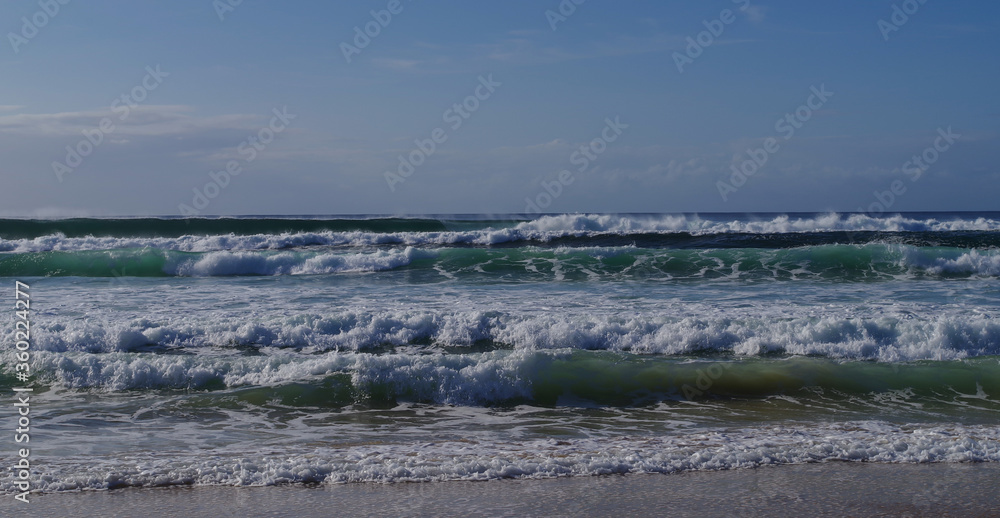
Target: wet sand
pixel 825 489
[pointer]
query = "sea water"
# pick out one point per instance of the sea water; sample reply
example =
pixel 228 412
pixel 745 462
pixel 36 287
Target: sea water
pixel 258 351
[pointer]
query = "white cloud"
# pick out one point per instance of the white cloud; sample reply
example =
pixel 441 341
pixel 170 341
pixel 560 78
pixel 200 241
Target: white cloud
pixel 397 64
pixel 154 120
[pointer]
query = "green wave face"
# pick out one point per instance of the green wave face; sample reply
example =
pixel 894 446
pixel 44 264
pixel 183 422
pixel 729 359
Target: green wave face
pixel 619 379
pixel 833 262
pixel 87 263
pixel 610 379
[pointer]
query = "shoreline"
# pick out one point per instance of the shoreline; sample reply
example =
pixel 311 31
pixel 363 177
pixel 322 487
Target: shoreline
pixel 820 489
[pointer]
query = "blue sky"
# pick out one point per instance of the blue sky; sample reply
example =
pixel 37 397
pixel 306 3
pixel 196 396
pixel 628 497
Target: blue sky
pixel 336 151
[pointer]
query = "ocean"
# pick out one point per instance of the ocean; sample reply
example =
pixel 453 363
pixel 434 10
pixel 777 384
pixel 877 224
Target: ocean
pixel 324 350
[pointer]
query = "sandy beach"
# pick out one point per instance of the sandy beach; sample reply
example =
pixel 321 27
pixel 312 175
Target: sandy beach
pixel 825 489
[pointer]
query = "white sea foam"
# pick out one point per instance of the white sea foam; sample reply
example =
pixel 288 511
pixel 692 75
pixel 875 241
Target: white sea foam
pixel 778 224
pixel 445 379
pixel 545 228
pixel 488 459
pixel 290 263
pixel 985 263
pixel 322 345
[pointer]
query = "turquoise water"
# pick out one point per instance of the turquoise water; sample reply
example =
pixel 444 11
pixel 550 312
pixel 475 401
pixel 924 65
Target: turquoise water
pixel 262 351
